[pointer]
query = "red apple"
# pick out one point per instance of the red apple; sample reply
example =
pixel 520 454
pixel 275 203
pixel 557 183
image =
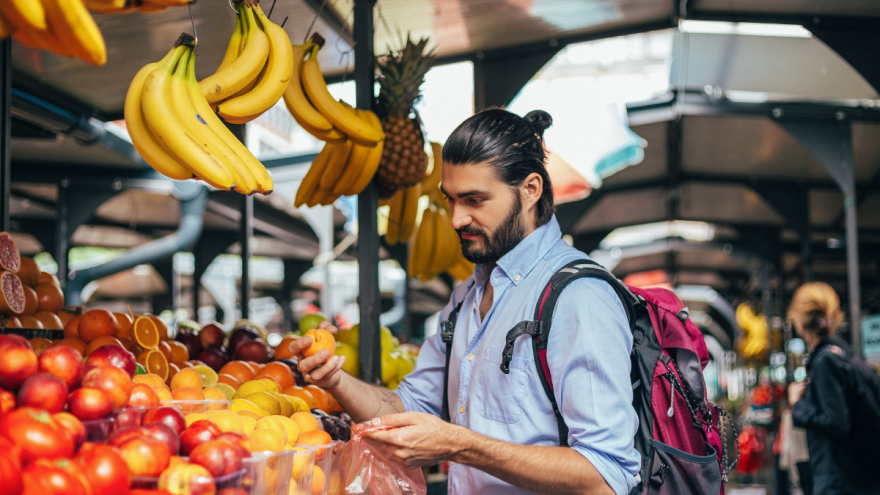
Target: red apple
pixel 129 416
pixel 189 338
pixel 237 438
pixel 15 340
pixel 73 426
pixel 189 479
pixel 256 350
pixel 17 365
pixel 142 395
pixel 89 403
pixel 164 434
pixel 196 434
pixel 166 415
pixel 64 362
pixel 125 434
pixel 7 401
pixel 145 456
pixel 211 336
pixel 112 380
pixel 213 358
pixel 43 391
pixel 218 457
pixel 115 356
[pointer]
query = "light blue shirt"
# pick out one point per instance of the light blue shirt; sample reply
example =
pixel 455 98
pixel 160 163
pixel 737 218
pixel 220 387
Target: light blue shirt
pixel 588 353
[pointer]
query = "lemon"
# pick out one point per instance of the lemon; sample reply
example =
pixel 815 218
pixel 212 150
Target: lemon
pixel 405 365
pixel 273 424
pixel 246 405
pixel 291 427
pixel 209 376
pixel 262 440
pixel 351 337
pixel 351 358
pixel 271 385
pixel 248 388
pixel 388 340
pixel 248 424
pixel 286 406
pixel 392 385
pixel 227 390
pixel 227 420
pixel 299 405
pixel 266 402
pixel 389 367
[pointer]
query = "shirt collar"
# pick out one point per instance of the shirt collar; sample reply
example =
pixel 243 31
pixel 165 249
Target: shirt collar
pixel 522 259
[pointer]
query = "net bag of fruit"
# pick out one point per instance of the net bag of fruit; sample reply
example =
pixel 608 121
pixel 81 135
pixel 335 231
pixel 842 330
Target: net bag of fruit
pixel 365 466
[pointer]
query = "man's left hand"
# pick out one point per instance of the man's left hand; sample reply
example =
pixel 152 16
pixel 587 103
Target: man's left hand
pixel 419 439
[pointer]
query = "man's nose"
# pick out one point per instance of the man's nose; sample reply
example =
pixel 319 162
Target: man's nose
pixel 459 217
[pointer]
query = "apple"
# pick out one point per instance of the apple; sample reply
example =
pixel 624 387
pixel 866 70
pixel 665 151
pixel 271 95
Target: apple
pixel 17 365
pixel 43 391
pixel 196 434
pixel 15 340
pixel 211 336
pixel 129 416
pixel 213 358
pixel 73 426
pixel 114 381
pixel 218 457
pixel 187 479
pixel 7 401
pixel 145 456
pixel 239 439
pixel 142 395
pixel 167 416
pixel 256 350
pixel 190 339
pixel 89 403
pixel 242 334
pixel 64 362
pixel 115 356
pixel 164 434
pixel 124 434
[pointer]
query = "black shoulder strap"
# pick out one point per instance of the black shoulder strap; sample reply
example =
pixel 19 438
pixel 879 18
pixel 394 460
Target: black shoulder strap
pixel 447 332
pixel 540 327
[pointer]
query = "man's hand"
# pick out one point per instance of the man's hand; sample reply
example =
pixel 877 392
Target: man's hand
pixel 795 392
pixel 419 439
pixel 323 368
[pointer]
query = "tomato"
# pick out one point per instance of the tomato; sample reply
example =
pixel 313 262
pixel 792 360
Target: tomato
pixel 50 480
pixel 37 434
pixel 105 468
pixel 10 473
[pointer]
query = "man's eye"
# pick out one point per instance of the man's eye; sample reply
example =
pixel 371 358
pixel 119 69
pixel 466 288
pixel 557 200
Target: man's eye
pixel 475 201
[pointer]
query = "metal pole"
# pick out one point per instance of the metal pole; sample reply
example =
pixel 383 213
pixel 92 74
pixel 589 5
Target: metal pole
pixel 62 231
pixel 369 299
pixel 245 234
pixel 852 236
pixel 5 129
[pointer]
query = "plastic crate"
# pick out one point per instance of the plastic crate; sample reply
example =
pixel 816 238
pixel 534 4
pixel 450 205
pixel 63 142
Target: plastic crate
pixel 322 470
pixel 99 430
pixel 198 406
pixel 234 480
pixel 130 416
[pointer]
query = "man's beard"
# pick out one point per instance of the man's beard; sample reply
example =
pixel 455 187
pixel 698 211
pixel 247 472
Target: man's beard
pixel 506 237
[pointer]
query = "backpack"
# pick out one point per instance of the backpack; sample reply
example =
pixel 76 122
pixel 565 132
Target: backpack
pixel 681 436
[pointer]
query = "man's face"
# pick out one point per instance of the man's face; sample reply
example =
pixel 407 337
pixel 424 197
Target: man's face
pixel 486 213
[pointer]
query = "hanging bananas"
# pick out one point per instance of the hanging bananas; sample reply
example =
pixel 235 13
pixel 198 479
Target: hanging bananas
pixel 64 27
pixel 173 128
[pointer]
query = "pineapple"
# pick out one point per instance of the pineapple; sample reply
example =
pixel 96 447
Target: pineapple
pixel 403 158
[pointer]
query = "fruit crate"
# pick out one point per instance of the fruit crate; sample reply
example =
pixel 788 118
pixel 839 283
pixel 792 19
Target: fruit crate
pixel 320 474
pixel 32 333
pixel 99 430
pixel 200 484
pixel 198 406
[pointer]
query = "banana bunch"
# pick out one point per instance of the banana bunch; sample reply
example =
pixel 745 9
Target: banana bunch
pixel 436 247
pixel 174 129
pixel 755 340
pixel 64 27
pixel 256 69
pixel 128 6
pixel 404 204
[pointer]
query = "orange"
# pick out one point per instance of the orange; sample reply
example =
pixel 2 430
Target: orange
pixel 321 339
pixel 50 298
pixel 281 373
pixel 71 329
pixel 316 437
pixel 322 398
pixel 173 370
pixel 156 363
pixel 30 301
pixel 179 352
pixel 65 317
pixel 145 333
pixel 149 379
pixel 227 421
pixel 30 322
pixel 229 380
pixel 282 351
pixel 305 421
pixel 163 393
pixel 188 393
pixel 100 342
pixel 271 423
pixel 97 323
pixel 130 346
pixel 28 272
pixel 75 343
pixel 318 481
pixel 302 394
pixel 13 322
pixel 49 320
pixel 254 366
pixel 125 322
pixel 165 348
pixel 39 344
pixel 186 364
pixel 238 370
pixel 214 393
pixel 187 377
pixel 262 440
pixel 48 278
pixel 160 326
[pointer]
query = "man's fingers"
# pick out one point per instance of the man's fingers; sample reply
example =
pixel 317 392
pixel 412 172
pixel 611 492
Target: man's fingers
pixel 326 325
pixel 325 370
pixel 306 365
pixel 298 345
pixel 396 420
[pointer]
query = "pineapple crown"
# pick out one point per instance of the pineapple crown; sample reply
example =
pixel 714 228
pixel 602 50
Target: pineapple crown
pixel 401 75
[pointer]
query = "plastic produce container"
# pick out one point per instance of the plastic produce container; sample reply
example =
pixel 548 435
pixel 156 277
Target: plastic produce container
pixel 130 416
pixel 198 406
pixel 234 480
pixel 99 430
pixel 323 463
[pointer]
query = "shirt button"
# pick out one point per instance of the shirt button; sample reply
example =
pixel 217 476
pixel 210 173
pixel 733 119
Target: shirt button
pixel 516 278
pixel 470 357
pixel 461 409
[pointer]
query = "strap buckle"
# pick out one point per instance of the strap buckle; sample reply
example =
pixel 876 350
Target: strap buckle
pixel 524 327
pixel 447 332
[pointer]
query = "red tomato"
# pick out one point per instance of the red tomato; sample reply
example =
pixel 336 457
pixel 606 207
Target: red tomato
pixel 37 434
pixel 50 480
pixel 10 473
pixel 105 468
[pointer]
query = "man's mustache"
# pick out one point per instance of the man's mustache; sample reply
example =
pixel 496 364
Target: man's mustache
pixel 470 231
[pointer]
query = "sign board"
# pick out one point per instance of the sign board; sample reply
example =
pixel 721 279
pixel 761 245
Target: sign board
pixel 871 338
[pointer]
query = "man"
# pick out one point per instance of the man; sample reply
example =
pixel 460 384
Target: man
pixel 503 437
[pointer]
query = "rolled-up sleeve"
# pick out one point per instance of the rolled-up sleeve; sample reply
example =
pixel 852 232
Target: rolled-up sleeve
pixel 589 358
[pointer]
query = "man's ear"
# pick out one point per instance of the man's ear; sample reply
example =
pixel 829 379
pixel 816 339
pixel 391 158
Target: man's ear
pixel 531 190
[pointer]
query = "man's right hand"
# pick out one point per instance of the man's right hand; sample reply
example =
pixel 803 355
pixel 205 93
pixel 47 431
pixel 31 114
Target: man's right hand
pixel 322 369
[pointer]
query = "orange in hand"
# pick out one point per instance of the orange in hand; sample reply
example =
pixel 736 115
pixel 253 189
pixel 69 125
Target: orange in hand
pixel 321 339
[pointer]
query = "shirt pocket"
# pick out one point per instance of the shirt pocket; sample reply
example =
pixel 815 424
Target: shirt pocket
pixel 500 396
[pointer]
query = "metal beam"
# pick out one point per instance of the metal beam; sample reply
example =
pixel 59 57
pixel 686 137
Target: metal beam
pixel 246 233
pixel 5 128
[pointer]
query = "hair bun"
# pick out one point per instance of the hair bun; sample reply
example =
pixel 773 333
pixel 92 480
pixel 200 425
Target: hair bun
pixel 540 121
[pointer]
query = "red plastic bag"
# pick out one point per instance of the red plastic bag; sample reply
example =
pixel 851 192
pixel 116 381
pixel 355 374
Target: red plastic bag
pixel 365 466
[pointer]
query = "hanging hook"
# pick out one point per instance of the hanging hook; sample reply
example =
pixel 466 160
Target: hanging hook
pixel 317 14
pixel 193 20
pixel 232 7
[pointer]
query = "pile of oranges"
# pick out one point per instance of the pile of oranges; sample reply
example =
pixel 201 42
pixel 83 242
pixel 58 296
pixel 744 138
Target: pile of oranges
pixel 236 373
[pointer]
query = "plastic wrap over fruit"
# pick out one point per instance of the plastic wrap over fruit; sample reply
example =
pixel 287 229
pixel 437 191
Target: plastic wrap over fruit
pixel 365 466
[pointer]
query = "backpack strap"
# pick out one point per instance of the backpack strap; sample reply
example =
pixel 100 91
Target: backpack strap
pixel 447 333
pixel 540 327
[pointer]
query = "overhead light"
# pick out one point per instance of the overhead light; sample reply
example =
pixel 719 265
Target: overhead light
pixel 744 28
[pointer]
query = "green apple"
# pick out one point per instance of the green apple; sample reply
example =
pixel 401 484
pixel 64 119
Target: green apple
pixel 310 321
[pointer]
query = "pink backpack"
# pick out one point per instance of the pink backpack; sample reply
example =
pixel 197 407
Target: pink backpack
pixel 681 435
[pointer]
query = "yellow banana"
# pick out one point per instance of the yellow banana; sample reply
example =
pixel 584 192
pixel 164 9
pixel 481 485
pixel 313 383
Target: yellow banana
pixel 111 6
pixel 141 137
pixel 234 47
pixel 427 245
pixel 331 173
pixel 272 84
pixel 152 7
pixel 189 116
pixel 410 211
pixel 355 128
pixel 254 166
pixel 295 98
pixel 371 164
pixel 24 14
pixel 395 207
pixel 352 169
pixel 71 22
pixel 441 253
pixel 235 76
pixel 432 181
pixel 313 177
pixel 170 131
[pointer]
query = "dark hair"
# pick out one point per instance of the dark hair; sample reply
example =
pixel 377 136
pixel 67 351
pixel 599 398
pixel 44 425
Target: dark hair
pixel 513 144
